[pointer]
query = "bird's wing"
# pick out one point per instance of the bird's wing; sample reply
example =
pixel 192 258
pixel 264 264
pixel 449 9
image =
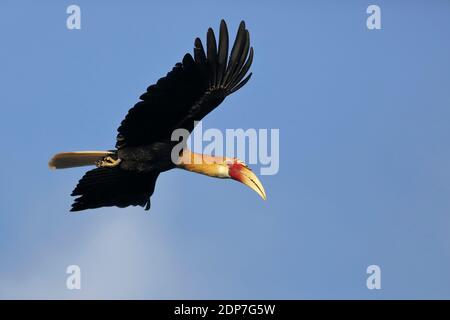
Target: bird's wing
pixel 190 91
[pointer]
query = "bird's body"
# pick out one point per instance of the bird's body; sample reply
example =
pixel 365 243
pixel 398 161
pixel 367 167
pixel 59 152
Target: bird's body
pixel 155 156
pixel 144 147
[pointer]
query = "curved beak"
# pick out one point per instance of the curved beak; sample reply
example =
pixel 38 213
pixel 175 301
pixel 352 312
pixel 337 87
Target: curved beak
pixel 246 176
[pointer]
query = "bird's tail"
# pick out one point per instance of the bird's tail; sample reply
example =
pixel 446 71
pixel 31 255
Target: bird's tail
pixel 76 159
pixel 105 187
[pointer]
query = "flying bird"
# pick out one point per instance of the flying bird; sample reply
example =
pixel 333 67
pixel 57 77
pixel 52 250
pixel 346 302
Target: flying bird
pixel 126 176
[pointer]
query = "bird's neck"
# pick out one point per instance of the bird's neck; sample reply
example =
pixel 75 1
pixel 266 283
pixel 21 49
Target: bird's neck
pixel 204 164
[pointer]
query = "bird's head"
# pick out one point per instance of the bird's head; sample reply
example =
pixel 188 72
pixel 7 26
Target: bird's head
pixel 222 167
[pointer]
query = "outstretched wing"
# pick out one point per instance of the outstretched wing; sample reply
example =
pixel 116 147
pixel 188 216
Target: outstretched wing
pixel 190 91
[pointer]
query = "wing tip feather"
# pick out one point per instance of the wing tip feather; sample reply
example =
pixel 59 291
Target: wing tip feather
pixel 229 75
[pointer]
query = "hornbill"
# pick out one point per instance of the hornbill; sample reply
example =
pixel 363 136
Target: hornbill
pixel 127 175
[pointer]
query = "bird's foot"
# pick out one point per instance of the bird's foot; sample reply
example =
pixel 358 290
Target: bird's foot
pixel 108 162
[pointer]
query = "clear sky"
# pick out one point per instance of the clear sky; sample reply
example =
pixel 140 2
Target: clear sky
pixel 364 152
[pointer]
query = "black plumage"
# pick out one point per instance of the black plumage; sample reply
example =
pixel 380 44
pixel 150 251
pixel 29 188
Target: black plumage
pixel 102 187
pixel 191 90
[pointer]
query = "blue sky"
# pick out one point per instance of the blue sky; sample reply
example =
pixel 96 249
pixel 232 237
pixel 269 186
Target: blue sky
pixel 364 153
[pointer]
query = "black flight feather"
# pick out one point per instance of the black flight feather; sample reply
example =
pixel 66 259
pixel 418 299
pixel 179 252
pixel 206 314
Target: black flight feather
pixel 191 90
